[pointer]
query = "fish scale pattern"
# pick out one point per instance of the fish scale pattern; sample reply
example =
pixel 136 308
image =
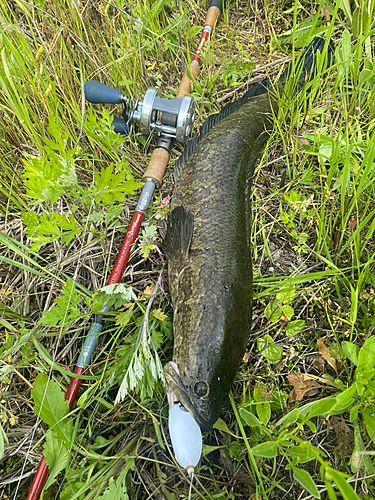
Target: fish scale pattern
pixel 207 244
pixel 211 283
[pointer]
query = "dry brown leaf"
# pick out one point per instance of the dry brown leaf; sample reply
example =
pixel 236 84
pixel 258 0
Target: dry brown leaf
pixel 324 352
pixel 322 380
pixel 302 383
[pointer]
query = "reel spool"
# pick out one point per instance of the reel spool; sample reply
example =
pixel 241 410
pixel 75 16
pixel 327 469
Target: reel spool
pixel 172 118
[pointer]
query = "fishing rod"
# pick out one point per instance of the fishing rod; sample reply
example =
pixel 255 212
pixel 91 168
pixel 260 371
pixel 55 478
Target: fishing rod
pixel 170 119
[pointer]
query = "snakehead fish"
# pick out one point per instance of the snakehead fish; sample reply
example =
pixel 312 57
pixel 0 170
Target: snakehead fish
pixel 207 244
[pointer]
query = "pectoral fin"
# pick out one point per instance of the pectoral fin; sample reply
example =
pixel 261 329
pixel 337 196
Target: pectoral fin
pixel 177 239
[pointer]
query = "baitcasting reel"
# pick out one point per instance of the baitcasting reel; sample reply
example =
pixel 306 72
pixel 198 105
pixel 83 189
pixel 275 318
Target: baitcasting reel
pixel 172 118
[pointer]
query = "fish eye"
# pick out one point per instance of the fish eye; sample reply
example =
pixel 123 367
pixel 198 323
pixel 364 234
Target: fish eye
pixel 201 389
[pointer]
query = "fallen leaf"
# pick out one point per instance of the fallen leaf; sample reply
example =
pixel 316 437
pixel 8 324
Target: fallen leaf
pixel 302 383
pixel 148 290
pixel 158 314
pixel 320 380
pixel 323 380
pixel 324 352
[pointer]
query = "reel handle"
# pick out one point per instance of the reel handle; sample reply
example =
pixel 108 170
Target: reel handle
pixel 98 93
pixel 120 125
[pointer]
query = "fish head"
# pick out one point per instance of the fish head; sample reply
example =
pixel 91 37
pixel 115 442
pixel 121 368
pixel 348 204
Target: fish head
pixel 198 397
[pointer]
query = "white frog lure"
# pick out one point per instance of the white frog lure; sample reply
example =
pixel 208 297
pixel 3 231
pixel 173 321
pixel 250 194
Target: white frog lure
pixel 185 433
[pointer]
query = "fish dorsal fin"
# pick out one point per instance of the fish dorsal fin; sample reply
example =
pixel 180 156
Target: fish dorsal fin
pixel 177 239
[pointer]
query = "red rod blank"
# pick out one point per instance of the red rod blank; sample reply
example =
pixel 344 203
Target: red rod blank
pixel 42 471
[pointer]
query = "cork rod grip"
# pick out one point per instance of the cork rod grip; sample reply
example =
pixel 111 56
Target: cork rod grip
pixel 185 84
pixel 157 165
pixel 213 15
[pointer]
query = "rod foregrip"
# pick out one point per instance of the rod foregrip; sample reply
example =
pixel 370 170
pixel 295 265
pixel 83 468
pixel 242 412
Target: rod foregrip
pixel 157 165
pixel 213 15
pixel 185 84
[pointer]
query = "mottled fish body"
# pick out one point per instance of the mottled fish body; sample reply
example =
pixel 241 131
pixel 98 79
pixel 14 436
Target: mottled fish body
pixel 207 245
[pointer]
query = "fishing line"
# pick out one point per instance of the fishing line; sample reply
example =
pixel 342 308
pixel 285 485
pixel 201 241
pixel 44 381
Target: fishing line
pixel 191 485
pixel 54 354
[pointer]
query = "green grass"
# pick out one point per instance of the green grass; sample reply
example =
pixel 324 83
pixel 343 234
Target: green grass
pixel 63 217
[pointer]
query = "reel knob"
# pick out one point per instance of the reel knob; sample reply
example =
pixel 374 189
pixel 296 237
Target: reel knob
pixel 98 93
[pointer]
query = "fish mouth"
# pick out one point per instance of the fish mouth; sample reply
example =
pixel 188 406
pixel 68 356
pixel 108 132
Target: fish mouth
pixel 175 383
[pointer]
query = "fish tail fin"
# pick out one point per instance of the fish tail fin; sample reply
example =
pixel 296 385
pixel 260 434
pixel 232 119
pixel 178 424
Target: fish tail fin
pixel 304 68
